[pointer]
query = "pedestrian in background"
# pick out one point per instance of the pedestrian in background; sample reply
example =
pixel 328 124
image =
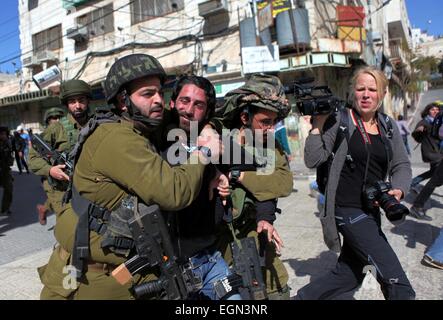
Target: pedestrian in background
pixel 19 146
pixel 434 255
pixel 430 149
pixel 404 132
pixel 417 209
pixel 25 136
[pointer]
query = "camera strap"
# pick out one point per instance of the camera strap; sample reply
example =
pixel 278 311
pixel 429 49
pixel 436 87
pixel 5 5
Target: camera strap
pixel 366 140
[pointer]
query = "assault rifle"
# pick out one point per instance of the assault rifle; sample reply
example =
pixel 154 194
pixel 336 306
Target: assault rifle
pixel 54 157
pixel 247 277
pixel 154 249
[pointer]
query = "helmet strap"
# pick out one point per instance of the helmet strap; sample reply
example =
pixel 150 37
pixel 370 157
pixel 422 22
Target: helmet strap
pixel 248 124
pixel 136 115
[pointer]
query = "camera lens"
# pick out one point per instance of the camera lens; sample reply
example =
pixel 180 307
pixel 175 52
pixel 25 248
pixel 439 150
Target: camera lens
pixel 395 211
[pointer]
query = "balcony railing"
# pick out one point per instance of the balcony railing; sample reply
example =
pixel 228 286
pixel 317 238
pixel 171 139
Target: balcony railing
pixel 398 53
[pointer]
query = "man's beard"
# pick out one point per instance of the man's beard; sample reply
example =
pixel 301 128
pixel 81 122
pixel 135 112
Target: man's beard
pixel 185 122
pixel 79 115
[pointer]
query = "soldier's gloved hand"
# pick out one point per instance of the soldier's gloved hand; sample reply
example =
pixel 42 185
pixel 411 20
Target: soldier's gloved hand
pixel 272 233
pixel 57 172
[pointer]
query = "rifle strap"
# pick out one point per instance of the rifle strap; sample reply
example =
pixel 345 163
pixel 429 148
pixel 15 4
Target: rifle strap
pixel 102 115
pixel 229 219
pixel 80 251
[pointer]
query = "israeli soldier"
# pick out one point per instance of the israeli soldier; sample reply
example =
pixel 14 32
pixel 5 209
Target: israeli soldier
pixel 75 95
pixel 6 180
pixel 115 160
pixel 55 135
pixel 257 106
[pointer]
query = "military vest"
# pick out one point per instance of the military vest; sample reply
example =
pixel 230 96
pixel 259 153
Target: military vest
pixel 71 131
pixel 243 203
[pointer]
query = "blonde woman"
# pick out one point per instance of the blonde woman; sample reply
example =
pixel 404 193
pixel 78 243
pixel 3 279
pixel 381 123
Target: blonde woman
pixel 372 154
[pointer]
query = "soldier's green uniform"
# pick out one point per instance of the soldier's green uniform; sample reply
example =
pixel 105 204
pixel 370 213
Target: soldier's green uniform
pixel 265 92
pixel 61 137
pixel 117 160
pixel 55 135
pixel 6 179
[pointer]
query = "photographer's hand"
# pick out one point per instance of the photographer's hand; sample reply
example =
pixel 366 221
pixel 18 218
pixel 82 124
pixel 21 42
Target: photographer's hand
pixel 397 193
pixel 317 123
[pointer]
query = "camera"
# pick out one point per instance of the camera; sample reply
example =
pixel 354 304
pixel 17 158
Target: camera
pixel 314 100
pixel 395 211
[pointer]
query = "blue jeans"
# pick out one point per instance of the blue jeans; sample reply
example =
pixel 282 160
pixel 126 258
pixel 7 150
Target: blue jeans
pixel 405 141
pixel 436 250
pixel 210 266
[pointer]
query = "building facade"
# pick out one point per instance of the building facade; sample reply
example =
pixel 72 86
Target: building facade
pixel 223 40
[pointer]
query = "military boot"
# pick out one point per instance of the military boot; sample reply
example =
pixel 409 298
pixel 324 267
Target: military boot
pixel 282 294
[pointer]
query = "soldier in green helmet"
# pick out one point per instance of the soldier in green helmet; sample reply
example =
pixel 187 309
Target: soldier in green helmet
pixel 256 107
pixel 75 96
pixel 115 162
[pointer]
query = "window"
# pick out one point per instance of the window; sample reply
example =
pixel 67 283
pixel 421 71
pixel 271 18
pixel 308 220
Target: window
pixel 142 10
pixel 49 39
pixel 32 4
pixel 99 21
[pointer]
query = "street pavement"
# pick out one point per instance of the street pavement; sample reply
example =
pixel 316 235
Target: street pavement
pixel 26 245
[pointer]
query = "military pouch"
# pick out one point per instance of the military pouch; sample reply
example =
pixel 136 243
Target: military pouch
pixel 238 197
pixel 243 208
pixel 118 237
pixel 55 275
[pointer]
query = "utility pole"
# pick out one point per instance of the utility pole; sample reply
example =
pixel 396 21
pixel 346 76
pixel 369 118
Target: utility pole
pixel 370 42
pixel 254 14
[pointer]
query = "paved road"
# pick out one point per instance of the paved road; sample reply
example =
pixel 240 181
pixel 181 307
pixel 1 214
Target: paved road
pixel 25 245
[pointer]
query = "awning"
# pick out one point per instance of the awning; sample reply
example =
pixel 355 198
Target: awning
pixel 26 97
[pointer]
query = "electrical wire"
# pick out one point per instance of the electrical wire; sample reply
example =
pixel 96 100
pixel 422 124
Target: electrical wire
pixel 199 52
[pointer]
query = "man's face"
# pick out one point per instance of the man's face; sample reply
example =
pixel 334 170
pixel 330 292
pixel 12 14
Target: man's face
pixel 191 105
pixel 147 97
pixel 263 121
pixel 78 105
pixel 53 119
pixel 434 111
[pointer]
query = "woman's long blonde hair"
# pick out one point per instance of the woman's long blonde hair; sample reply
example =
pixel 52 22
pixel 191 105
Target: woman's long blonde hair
pixel 380 80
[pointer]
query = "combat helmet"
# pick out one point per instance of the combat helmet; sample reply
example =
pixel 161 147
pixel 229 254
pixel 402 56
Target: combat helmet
pixel 129 68
pixel 260 90
pixel 53 112
pixel 74 87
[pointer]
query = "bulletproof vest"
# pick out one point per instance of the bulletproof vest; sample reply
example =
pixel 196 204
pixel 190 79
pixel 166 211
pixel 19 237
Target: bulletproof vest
pixel 71 132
